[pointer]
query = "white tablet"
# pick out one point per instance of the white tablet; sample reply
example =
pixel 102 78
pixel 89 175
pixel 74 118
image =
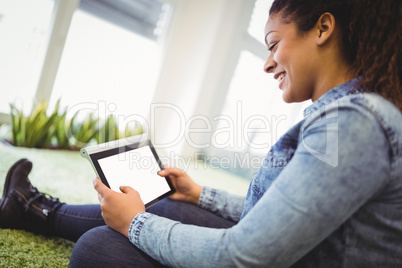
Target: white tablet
pixel 132 162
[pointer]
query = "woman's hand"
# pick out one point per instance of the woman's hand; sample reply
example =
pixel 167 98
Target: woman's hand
pixel 186 189
pixel 118 209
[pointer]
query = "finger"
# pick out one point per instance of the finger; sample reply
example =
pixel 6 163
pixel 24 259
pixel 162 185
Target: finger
pixel 170 171
pixel 100 187
pixel 162 173
pixel 126 189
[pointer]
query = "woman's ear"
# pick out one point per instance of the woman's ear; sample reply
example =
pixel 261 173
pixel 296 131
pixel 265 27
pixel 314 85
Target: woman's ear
pixel 325 28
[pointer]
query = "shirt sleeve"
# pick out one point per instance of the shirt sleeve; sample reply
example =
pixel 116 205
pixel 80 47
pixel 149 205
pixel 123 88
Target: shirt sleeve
pixel 222 203
pixel 317 191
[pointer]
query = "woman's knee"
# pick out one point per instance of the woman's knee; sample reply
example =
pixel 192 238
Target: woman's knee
pixel 104 247
pixel 89 248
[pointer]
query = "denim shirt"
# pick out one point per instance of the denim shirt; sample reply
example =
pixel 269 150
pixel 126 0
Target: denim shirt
pixel 328 194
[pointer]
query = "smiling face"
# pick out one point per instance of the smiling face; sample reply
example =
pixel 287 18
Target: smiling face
pixel 293 59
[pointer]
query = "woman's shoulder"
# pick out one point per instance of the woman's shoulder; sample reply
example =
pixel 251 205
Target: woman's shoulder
pixel 376 106
pixel 356 108
pixel 383 111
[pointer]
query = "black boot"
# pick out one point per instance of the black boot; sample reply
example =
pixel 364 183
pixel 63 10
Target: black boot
pixel 22 205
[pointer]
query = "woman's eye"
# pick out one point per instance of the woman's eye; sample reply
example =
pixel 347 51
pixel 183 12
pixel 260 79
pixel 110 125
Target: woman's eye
pixel 272 46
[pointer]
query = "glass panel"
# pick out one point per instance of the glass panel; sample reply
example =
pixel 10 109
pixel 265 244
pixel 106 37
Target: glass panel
pixel 24 31
pixel 140 16
pixel 255 96
pixel 254 117
pixel 106 67
pixel 259 18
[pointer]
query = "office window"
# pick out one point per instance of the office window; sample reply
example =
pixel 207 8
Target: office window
pixel 111 57
pixel 258 19
pixel 24 30
pixel 255 104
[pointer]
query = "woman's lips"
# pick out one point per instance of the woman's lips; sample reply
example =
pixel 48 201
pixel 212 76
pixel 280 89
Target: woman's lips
pixel 281 78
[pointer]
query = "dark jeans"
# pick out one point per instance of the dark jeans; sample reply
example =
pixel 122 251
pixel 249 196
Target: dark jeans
pixel 100 246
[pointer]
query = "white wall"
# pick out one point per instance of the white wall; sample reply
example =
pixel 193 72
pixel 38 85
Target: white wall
pixel 200 55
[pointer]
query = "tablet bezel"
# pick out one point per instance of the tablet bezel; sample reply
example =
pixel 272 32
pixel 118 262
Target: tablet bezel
pixel 126 148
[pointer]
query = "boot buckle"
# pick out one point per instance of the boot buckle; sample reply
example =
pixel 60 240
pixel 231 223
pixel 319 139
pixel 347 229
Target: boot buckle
pixel 45 211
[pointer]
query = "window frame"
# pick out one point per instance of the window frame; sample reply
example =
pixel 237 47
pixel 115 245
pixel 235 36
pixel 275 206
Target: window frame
pixel 59 23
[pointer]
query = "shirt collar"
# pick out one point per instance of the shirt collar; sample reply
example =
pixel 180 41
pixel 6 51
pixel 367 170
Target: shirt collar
pixel 338 92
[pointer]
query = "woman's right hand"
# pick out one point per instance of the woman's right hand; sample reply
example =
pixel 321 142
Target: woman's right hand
pixel 186 189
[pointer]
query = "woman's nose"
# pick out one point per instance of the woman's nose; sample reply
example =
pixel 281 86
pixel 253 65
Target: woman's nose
pixel 270 64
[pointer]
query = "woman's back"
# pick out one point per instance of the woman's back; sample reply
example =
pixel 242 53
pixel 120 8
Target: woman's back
pixel 371 236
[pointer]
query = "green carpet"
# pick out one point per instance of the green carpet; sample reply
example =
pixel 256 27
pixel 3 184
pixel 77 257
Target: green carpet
pixel 23 249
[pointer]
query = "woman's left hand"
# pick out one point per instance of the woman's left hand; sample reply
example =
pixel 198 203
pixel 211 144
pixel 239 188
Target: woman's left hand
pixel 118 209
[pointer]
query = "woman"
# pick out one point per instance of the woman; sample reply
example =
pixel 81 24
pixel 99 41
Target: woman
pixel 329 192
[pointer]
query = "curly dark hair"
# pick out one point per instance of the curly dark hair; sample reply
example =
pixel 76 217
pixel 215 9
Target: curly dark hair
pixel 371 33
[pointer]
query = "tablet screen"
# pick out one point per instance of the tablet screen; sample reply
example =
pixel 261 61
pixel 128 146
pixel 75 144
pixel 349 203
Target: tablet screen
pixel 136 167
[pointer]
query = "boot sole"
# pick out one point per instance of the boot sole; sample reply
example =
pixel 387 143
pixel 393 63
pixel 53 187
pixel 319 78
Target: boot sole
pixel 9 173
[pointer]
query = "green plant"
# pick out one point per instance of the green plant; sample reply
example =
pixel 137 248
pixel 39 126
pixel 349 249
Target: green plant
pixel 42 131
pixel 82 133
pixel 62 128
pixel 132 130
pixel 109 131
pixel 33 130
pixel 57 130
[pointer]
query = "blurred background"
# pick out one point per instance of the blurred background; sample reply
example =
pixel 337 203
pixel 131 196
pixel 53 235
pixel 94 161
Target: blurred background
pixel 189 73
